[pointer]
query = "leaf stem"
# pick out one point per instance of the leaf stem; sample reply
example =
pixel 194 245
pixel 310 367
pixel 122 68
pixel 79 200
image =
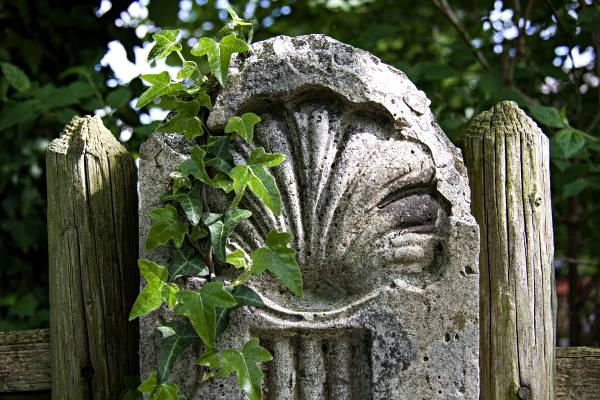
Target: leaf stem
pixel 237 199
pixel 181 56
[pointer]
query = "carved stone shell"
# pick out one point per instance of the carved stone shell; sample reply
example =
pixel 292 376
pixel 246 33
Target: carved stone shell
pixel 370 182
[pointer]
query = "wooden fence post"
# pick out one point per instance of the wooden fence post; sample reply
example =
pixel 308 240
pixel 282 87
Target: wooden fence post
pixel 92 238
pixel 507 157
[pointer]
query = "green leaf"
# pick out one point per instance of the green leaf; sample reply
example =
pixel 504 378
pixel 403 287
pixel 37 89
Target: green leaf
pixel 237 258
pixel 569 141
pixel 190 202
pixel 166 391
pixel 244 364
pixel 548 116
pixel 167 227
pixel 152 272
pixel 177 336
pixel 186 262
pixel 280 259
pixel 14 113
pixel 220 157
pixel 199 308
pixel 163 391
pixel 243 126
pixel 15 77
pixel 188 70
pixel 180 181
pixel 161 85
pixel 195 165
pixel 245 296
pixel 169 294
pixel 149 384
pixel 198 232
pixel 166 43
pixel 186 120
pixel 119 98
pixel 577 186
pixel 221 228
pixel 256 176
pixel 151 296
pixel 219 54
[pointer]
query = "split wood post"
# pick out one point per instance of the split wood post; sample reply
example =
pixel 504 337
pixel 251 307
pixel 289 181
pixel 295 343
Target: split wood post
pixel 507 158
pixel 92 238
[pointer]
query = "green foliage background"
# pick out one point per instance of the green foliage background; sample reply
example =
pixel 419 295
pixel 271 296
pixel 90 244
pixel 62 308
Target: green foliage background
pixel 59 45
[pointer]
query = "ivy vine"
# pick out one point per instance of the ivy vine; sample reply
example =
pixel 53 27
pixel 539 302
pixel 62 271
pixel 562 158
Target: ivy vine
pixel 198 237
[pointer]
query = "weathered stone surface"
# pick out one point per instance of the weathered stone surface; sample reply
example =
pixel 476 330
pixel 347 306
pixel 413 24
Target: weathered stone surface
pixel 378 201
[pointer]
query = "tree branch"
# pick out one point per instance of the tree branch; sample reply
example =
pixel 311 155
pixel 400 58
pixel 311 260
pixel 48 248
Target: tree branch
pixel 443 6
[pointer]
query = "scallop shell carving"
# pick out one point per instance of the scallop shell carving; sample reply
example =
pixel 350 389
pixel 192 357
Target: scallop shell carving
pixel 369 185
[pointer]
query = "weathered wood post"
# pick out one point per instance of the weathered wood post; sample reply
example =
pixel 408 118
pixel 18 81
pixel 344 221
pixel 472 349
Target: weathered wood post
pixel 92 238
pixel 507 159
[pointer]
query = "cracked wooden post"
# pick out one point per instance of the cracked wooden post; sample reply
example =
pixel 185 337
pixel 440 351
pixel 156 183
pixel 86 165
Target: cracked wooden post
pixel 507 157
pixel 92 238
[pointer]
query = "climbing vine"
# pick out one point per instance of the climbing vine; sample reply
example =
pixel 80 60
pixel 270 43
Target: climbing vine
pixel 198 237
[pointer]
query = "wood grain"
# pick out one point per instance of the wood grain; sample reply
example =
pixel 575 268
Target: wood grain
pixel 508 164
pixel 92 238
pixel 25 361
pixel 577 373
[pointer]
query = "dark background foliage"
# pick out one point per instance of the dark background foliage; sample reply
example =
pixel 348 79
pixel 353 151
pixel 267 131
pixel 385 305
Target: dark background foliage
pixel 466 56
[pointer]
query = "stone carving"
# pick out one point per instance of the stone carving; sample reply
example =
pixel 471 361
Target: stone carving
pixel 378 201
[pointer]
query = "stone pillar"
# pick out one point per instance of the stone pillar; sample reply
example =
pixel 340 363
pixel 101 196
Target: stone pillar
pixel 378 201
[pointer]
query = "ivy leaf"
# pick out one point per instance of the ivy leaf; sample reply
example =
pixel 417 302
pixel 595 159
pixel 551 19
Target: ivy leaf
pixel 219 54
pixel 177 336
pixel 279 258
pixel 223 182
pixel 186 263
pixel 195 165
pixel 199 308
pixel 549 116
pixel 149 384
pixel 15 77
pixel 188 70
pixel 244 296
pixel 163 391
pixel 186 120
pixel 199 92
pixel 169 294
pixel 166 43
pixel 180 181
pixel 190 202
pixel 198 232
pixel 569 141
pixel 161 85
pixel 151 296
pixel 221 228
pixel 167 227
pixel 220 155
pixel 237 258
pixel 243 126
pixel 243 363
pixel 256 176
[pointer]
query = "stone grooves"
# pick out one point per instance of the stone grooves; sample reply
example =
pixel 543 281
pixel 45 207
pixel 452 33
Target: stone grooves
pixel 312 364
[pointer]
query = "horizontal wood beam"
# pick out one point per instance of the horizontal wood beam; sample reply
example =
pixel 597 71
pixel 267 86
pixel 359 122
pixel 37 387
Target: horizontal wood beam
pixel 25 361
pixel 577 373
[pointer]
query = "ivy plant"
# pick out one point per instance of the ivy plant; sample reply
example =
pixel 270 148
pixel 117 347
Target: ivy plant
pixel 197 236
